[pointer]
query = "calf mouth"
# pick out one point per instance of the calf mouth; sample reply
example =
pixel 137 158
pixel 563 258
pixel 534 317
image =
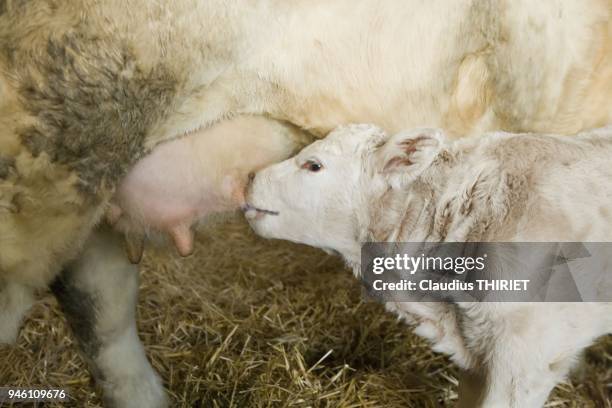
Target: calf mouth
pixel 251 212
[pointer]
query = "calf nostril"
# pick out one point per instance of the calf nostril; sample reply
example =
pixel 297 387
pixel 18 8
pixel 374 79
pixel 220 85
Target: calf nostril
pixel 251 177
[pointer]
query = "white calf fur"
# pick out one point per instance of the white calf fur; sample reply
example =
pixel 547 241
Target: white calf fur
pixel 358 185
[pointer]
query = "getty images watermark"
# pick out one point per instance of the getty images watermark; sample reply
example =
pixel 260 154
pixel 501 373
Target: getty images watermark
pixel 488 272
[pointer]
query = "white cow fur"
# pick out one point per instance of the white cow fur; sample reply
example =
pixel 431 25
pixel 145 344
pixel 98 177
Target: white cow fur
pixel 418 186
pixel 462 65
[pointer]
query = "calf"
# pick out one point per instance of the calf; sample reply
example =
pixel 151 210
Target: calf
pixel 359 185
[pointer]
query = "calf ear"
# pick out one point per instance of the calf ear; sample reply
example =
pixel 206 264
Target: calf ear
pixel 407 154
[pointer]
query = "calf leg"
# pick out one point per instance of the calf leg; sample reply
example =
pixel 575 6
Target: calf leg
pixel 15 300
pixel 98 294
pixel 527 351
pixel 515 382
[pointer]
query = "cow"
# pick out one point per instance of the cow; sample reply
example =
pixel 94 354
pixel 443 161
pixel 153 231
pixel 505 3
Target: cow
pixel 360 185
pixel 88 88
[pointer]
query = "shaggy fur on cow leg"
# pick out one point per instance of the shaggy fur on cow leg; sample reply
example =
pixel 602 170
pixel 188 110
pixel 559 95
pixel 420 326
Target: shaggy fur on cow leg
pixel 15 300
pixel 98 293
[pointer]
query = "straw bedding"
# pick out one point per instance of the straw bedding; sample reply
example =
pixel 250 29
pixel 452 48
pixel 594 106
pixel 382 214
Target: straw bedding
pixel 252 323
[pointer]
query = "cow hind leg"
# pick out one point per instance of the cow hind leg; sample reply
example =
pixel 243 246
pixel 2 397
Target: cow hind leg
pixel 98 294
pixel 15 300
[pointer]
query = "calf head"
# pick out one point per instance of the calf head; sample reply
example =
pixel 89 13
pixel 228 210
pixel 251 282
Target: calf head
pixel 316 197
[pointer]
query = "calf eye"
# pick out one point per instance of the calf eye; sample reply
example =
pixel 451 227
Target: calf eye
pixel 312 165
